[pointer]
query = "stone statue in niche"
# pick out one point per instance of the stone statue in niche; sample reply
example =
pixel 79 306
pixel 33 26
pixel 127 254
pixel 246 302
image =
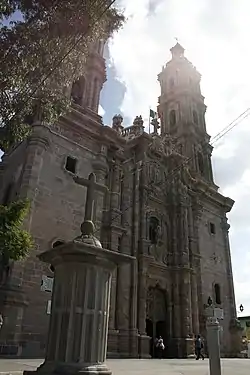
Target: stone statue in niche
pixel 154 230
pixel 157 248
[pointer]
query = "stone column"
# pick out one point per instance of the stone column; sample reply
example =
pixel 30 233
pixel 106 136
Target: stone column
pixel 197 214
pixel 225 228
pixel 193 263
pixel 100 168
pixel 187 335
pixel 144 340
pixel 124 277
pixel 37 144
pixel 186 309
pixel 115 245
pixel 77 341
pixel 213 342
pixel 134 267
pixel 195 310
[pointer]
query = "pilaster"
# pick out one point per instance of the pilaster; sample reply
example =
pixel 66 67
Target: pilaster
pixel 13 297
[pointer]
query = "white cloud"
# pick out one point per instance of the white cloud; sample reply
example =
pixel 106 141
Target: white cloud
pixel 215 35
pixel 101 111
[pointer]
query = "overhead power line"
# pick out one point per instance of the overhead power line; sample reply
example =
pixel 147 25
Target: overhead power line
pixel 216 138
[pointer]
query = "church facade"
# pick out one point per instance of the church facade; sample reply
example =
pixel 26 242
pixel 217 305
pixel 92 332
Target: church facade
pixel 162 206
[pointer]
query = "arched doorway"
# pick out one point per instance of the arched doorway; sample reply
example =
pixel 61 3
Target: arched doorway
pixel 157 318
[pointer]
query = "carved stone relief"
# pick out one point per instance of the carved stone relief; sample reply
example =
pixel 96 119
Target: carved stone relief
pixel 163 146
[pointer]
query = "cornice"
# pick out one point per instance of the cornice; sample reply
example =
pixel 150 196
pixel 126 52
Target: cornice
pixel 213 195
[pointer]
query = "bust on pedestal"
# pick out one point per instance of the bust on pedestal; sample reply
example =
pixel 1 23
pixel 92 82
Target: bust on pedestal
pixel 77 339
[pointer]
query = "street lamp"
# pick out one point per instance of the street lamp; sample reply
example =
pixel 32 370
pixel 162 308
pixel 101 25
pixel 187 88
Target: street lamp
pixel 209 301
pixel 241 308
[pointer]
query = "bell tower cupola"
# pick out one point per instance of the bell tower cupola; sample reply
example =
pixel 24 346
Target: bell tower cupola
pixel 87 88
pixel 182 110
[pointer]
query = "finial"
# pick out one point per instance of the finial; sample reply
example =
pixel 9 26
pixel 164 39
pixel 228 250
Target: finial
pixel 117 122
pixel 177 40
pixel 138 121
pixel 177 50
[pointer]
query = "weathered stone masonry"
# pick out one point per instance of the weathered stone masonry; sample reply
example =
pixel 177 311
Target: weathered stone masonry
pixel 171 218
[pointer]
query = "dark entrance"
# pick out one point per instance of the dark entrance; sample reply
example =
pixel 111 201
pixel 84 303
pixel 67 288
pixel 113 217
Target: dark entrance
pixel 156 322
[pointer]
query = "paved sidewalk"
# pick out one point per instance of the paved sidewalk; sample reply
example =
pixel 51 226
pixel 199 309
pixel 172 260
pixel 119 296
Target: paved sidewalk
pixel 143 367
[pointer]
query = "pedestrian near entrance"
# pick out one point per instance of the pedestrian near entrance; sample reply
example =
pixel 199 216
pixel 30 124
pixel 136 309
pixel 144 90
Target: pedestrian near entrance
pixel 198 348
pixel 160 347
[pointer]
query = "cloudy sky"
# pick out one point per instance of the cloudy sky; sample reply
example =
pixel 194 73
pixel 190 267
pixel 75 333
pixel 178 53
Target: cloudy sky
pixel 215 35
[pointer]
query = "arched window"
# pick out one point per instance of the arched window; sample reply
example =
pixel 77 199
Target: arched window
pixel 217 294
pixel 200 162
pixel 78 91
pixel 172 117
pixel 195 117
pixel 171 82
pixel 153 229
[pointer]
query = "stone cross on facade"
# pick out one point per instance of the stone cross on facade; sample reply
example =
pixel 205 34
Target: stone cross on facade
pixel 92 187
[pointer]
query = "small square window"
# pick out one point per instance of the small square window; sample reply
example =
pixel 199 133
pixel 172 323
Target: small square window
pixel 212 228
pixel 71 164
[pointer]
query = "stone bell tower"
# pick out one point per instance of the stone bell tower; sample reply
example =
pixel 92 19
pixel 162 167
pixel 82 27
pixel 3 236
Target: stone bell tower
pixel 182 111
pixel 86 90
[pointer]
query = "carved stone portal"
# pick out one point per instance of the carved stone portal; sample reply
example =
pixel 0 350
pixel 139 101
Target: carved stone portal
pixel 157 322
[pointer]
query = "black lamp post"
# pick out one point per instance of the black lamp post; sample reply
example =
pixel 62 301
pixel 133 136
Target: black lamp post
pixel 209 301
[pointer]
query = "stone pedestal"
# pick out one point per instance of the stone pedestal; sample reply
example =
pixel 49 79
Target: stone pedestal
pixel 213 343
pixel 189 347
pixel 77 340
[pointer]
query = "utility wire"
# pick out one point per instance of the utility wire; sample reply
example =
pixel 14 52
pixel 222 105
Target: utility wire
pixel 217 137
pixel 68 48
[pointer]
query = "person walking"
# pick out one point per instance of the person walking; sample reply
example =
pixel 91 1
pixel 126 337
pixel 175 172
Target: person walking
pixel 198 348
pixel 160 347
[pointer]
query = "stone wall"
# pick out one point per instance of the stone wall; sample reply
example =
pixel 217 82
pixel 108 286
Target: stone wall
pixel 57 210
pixel 214 266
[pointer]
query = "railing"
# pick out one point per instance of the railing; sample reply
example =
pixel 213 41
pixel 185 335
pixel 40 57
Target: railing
pixel 132 131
